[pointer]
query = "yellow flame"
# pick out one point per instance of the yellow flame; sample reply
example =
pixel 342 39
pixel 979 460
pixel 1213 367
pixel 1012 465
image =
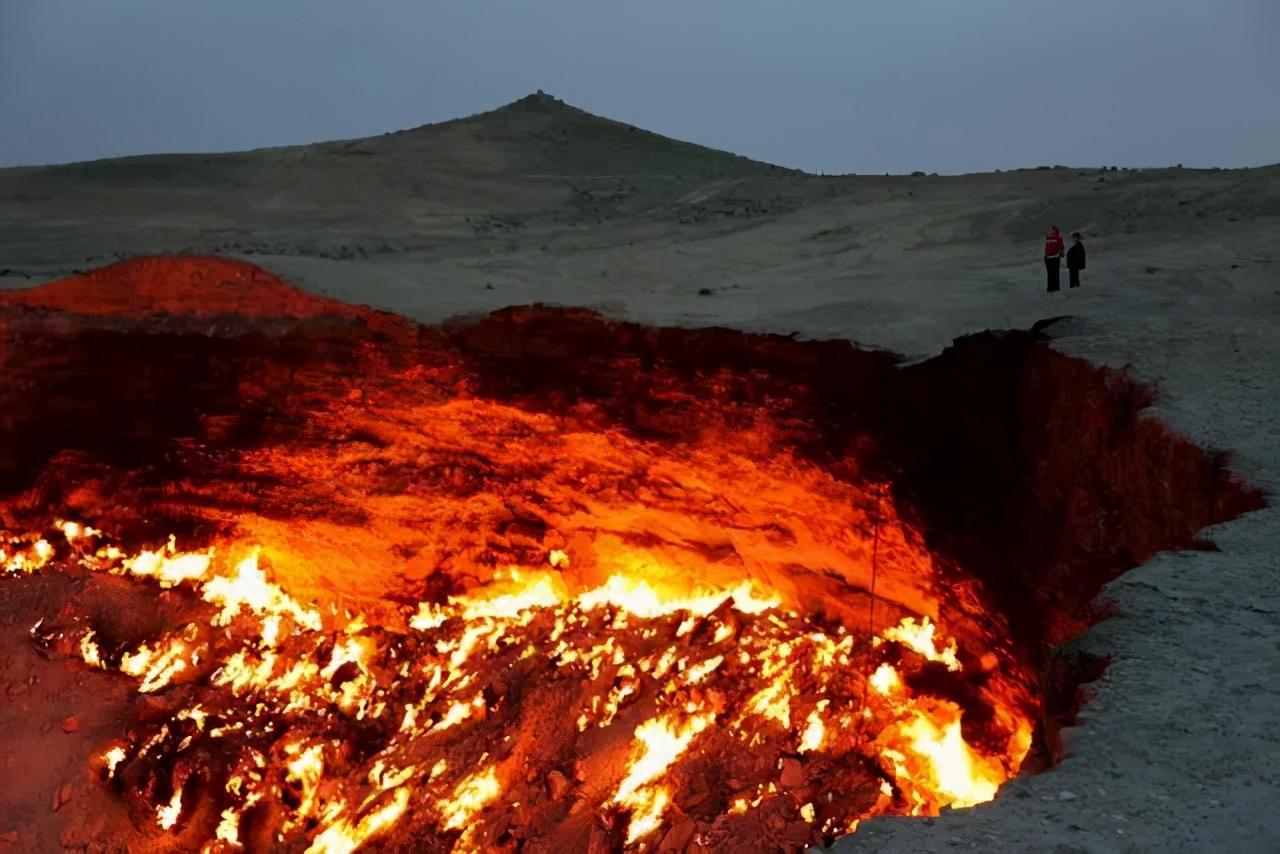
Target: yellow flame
pixel 773 701
pixel 89 651
pixel 886 680
pixel 702 670
pixel 156 667
pixel 113 758
pixel 539 594
pixel 229 827
pixel 662 740
pixel 343 837
pixel 43 550
pixel 28 559
pixel 74 530
pixel 636 596
pixel 647 808
pixel 459 712
pixel 923 750
pixel 167 814
pixel 815 732
pixel 932 763
pixel 961 775
pixel 469 797
pixel 305 768
pixel 248 588
pixel 170 570
pixel 921 638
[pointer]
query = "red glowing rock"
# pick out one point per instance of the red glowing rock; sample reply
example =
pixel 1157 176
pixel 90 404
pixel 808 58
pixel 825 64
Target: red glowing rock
pixel 179 285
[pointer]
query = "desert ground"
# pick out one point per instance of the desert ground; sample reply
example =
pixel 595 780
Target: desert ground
pixel 1179 746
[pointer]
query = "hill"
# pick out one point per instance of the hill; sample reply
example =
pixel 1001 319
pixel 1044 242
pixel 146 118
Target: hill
pixel 528 192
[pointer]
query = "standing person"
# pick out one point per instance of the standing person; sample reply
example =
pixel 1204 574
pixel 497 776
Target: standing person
pixel 1075 260
pixel 1053 250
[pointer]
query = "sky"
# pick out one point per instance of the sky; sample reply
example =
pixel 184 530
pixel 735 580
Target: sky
pixel 835 86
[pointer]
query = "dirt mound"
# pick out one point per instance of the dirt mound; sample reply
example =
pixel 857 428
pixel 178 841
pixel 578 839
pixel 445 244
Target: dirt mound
pixel 187 285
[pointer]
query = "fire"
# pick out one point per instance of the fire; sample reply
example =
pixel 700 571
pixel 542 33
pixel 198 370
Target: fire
pixel 112 758
pixel 538 593
pixel 167 815
pixel 815 731
pixel 74 530
pixel 248 589
pixel 155 668
pixel 634 595
pixel 469 797
pixel 89 651
pixel 306 768
pixel 697 674
pixel 168 567
pixel 27 557
pixel 933 764
pixel 921 638
pixel 229 827
pixel 886 680
pixel 345 836
pixel 662 741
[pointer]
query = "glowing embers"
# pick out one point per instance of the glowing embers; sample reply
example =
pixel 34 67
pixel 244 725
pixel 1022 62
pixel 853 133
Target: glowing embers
pixel 534 709
pixel 24 554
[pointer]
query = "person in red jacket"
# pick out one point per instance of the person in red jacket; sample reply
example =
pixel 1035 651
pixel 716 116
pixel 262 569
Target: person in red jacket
pixel 1053 252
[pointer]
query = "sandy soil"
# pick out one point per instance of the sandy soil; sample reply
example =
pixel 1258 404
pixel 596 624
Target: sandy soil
pixel 1179 748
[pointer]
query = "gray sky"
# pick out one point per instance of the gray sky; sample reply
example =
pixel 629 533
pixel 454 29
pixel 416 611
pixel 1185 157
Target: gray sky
pixel 825 85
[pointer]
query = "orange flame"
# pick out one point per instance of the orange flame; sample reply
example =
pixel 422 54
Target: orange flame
pixel 790 676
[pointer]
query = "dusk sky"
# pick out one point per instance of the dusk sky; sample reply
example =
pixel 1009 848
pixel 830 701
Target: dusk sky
pixel 827 85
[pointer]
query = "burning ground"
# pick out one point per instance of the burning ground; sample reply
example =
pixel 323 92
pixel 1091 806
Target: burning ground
pixel 546 581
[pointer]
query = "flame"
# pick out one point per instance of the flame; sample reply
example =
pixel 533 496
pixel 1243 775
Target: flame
pixel 89 651
pixel 306 767
pixel 921 638
pixel 156 667
pixel 934 766
pixel 676 656
pixel 886 680
pixel 540 593
pixel 773 701
pixel 662 740
pixel 167 815
pixel 169 567
pixel 815 731
pixel 74 530
pixel 345 836
pixel 471 795
pixel 228 829
pixel 28 558
pixel 248 589
pixel 113 758
pixel 636 596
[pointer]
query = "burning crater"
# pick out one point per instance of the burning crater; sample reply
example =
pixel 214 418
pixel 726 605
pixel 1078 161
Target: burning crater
pixel 548 582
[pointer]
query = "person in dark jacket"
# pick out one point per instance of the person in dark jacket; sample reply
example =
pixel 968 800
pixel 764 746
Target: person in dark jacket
pixel 1075 259
pixel 1053 250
